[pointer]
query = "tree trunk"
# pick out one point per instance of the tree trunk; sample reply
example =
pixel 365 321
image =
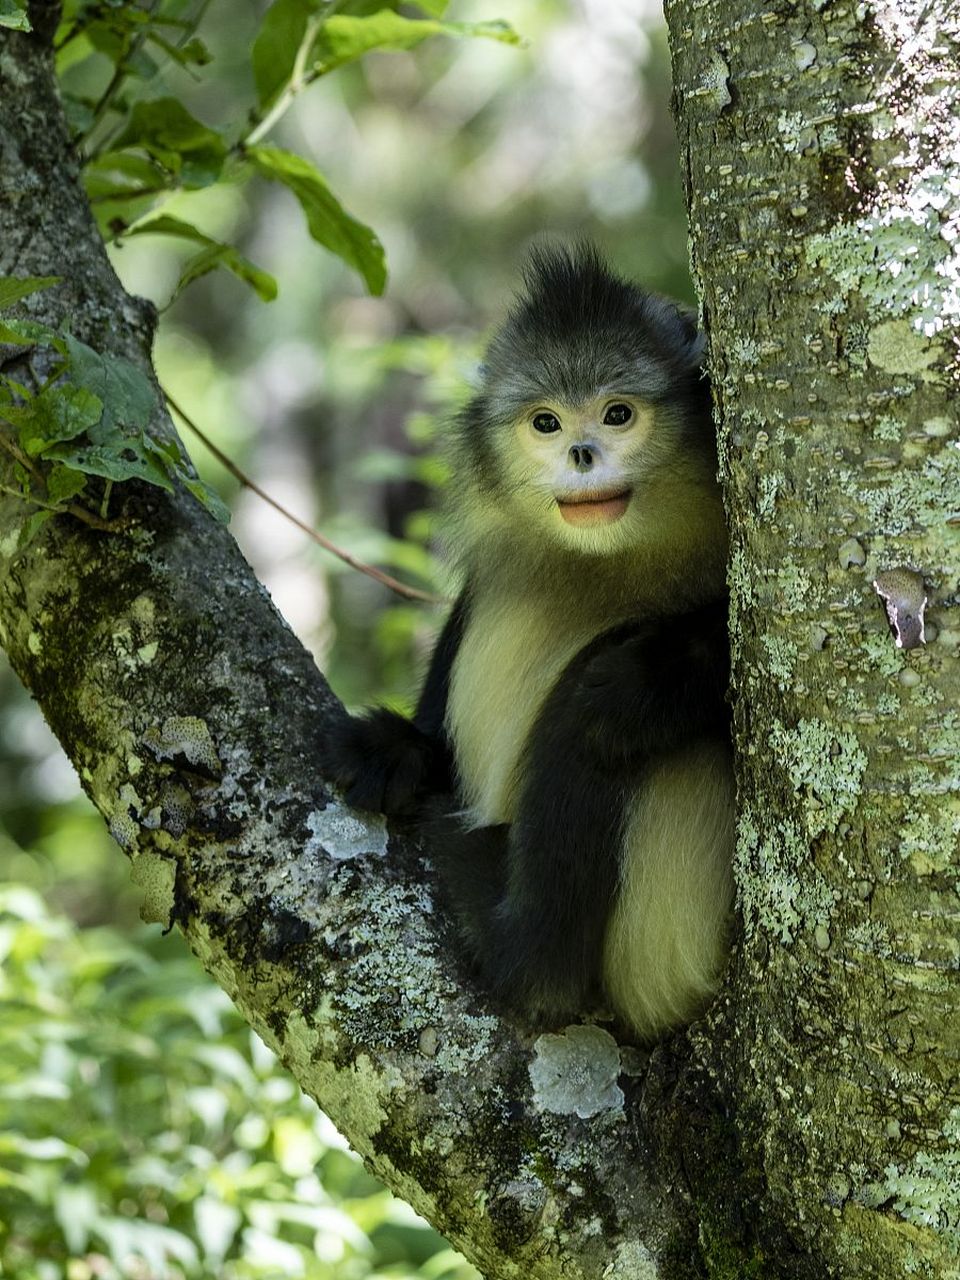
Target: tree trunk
pixel 809 1125
pixel 822 153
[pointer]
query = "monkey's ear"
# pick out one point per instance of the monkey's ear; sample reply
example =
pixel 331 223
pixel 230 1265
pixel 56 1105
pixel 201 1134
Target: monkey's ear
pixel 692 341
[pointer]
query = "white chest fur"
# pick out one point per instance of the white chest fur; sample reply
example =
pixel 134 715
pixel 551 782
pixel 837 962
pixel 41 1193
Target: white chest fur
pixel 510 658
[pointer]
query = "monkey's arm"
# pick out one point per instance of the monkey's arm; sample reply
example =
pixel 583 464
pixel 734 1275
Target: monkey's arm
pixel 535 898
pixel 387 763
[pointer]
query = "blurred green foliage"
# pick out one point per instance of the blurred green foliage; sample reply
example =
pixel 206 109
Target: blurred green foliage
pixel 137 1113
pixel 145 1131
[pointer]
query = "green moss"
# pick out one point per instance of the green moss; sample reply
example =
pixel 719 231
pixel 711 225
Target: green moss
pixel 883 259
pixel 929 841
pixel 926 1192
pixel 728 1259
pixel 888 428
pixel 795 590
pixel 907 497
pixel 768 488
pixel 882 654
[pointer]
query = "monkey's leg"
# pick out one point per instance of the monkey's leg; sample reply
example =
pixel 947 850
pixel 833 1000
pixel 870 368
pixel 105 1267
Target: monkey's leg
pixel 532 899
pixel 630 698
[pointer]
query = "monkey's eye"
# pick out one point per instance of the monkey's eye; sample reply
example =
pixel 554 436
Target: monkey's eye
pixel 618 415
pixel 546 423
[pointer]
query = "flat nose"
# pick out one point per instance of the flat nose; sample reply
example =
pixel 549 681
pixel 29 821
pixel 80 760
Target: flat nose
pixel 583 456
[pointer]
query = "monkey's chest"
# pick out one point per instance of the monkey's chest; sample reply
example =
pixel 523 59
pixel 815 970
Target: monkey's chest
pixel 508 661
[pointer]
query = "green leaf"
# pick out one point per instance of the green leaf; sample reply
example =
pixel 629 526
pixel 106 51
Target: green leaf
pixel 64 483
pixel 166 130
pixel 79 112
pixel 120 174
pixel 127 394
pixel 13 288
pixel 13 14
pixel 344 39
pixel 31 527
pixel 224 255
pixel 211 500
pixel 60 412
pixel 361 8
pixel 128 458
pixel 214 254
pixel 328 222
pixel 24 333
pixel 275 48
pixel 435 8
pixel 193 53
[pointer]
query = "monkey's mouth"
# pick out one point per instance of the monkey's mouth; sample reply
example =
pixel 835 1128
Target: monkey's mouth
pixel 598 508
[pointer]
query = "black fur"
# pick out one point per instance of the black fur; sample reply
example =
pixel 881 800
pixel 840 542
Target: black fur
pixel 534 898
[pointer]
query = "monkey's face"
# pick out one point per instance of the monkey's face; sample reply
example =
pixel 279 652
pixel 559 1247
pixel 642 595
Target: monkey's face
pixel 584 472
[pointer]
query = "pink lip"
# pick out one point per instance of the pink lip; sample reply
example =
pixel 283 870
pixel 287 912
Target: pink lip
pixel 600 508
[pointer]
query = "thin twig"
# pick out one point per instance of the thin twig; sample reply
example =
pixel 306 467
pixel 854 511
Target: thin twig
pixel 300 78
pixel 401 589
pixel 16 452
pixel 71 508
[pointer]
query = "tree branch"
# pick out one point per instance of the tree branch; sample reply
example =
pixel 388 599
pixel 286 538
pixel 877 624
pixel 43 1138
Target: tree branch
pixel 194 718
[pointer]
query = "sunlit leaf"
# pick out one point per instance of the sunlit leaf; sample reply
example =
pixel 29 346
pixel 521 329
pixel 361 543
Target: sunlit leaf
pixel 343 39
pixel 13 288
pixel 76 1210
pixel 327 220
pixel 15 1144
pixel 13 14
pixel 362 8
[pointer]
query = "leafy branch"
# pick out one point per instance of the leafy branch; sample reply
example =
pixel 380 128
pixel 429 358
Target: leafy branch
pixel 159 148
pixel 88 419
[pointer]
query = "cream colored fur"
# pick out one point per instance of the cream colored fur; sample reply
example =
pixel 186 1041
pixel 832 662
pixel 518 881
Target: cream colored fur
pixel 667 937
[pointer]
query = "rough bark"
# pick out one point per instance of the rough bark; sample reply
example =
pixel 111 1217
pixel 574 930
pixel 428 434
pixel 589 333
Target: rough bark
pixel 822 151
pixel 193 717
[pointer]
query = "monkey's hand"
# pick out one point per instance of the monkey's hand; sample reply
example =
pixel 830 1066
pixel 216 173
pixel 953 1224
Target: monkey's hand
pixel 384 763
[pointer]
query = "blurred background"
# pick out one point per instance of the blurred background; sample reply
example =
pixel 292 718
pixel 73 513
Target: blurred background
pixel 144 1131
